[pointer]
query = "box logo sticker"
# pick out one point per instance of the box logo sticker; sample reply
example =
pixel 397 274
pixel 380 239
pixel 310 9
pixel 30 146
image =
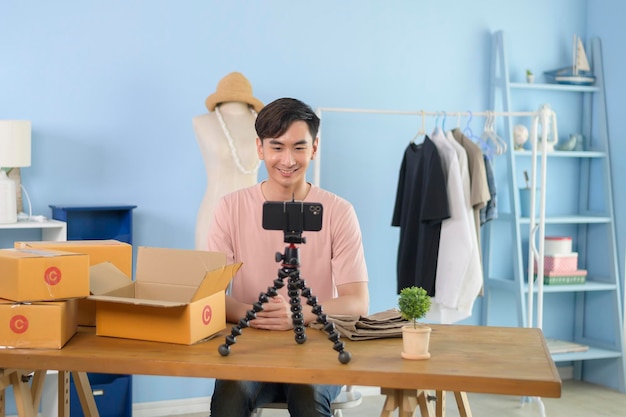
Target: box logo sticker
pixel 207 315
pixel 18 324
pixel 52 276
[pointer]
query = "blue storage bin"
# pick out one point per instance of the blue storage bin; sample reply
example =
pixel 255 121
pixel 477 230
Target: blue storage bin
pixel 112 393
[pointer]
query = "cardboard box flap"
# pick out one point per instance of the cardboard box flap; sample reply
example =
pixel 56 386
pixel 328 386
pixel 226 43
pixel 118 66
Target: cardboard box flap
pixel 61 243
pixel 17 304
pixel 35 253
pixel 216 280
pixel 137 301
pixel 106 277
pixel 187 267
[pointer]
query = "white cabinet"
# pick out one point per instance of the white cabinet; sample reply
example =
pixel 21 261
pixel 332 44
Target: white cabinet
pixel 584 320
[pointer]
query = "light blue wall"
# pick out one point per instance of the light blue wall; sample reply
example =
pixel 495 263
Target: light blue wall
pixel 605 20
pixel 111 88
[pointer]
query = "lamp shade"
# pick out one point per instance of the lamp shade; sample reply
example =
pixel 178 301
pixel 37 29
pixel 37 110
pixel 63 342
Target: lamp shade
pixel 14 143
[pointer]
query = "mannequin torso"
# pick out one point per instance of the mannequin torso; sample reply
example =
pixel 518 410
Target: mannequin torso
pixel 223 173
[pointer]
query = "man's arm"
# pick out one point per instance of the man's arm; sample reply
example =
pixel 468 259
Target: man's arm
pixel 353 300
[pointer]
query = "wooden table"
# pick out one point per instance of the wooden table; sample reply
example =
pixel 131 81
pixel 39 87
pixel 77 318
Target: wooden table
pixel 495 360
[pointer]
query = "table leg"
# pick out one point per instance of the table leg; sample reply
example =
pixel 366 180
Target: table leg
pixel 406 401
pixel 83 388
pixel 391 402
pixel 28 396
pixel 23 396
pixel 36 387
pixel 4 382
pixel 463 404
pixel 440 404
pixel 422 400
pixel 63 391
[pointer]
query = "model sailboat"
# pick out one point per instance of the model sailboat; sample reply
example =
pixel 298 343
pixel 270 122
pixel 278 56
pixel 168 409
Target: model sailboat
pixel 579 73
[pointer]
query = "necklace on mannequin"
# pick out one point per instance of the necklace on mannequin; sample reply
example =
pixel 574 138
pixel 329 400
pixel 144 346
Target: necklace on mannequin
pixel 231 144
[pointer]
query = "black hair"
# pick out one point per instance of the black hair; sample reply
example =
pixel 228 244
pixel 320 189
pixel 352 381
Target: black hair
pixel 276 117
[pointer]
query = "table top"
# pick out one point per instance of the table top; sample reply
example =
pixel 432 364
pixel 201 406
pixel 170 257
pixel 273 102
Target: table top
pixel 485 359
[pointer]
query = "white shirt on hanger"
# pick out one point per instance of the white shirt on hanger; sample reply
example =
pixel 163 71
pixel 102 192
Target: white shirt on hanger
pixel 456 246
pixel 473 280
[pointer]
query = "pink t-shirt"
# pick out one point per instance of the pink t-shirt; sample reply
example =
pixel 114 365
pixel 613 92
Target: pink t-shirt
pixel 329 258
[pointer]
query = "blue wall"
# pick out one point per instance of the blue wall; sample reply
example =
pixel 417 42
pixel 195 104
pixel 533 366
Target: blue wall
pixel 111 88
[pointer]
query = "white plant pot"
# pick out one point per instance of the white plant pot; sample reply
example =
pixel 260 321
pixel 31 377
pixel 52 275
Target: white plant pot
pixel 415 341
pixel 530 79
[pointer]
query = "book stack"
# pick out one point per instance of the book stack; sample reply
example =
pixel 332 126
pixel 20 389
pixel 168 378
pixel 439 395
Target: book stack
pixel 560 264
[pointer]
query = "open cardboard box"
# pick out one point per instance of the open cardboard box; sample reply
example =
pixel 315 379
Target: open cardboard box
pixel 118 253
pixel 178 296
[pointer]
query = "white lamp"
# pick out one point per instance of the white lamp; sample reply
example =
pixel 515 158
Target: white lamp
pixel 14 152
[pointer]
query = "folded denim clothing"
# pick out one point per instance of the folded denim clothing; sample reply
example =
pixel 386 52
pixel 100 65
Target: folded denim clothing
pixel 380 325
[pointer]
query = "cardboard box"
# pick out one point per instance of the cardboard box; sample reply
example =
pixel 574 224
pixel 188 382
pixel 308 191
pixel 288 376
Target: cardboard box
pixel 48 324
pixel 118 253
pixel 43 275
pixel 178 296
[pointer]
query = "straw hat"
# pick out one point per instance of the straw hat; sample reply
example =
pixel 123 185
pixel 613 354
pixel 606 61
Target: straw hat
pixel 233 87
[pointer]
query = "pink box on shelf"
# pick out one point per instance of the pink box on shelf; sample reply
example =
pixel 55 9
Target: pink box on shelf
pixel 566 262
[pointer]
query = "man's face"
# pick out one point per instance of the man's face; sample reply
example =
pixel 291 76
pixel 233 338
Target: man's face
pixel 288 156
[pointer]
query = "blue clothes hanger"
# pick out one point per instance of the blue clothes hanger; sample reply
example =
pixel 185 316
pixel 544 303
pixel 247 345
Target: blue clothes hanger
pixel 437 114
pixel 484 146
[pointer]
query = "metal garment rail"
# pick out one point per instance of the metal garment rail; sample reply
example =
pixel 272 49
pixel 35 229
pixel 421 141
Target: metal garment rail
pixel 422 113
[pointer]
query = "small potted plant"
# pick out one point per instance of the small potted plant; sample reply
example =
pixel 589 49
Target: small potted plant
pixel 414 303
pixel 530 77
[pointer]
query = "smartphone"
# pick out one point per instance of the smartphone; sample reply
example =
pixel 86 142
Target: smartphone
pixel 292 216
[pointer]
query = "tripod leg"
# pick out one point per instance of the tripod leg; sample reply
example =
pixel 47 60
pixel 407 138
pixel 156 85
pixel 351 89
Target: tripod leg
pixel 297 318
pixel 329 327
pixel 231 339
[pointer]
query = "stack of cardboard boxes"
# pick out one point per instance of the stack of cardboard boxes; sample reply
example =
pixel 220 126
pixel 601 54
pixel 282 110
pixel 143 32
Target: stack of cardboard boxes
pixel 49 288
pixel 38 292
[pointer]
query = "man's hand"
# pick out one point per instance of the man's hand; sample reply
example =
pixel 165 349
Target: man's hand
pixel 276 315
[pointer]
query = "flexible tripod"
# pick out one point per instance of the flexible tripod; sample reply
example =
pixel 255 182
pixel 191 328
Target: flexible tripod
pixel 296 287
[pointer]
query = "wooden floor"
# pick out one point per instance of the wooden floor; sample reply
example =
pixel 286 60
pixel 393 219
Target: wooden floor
pixel 579 399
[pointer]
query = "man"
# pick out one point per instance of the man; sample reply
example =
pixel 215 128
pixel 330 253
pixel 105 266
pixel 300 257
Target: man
pixel 331 262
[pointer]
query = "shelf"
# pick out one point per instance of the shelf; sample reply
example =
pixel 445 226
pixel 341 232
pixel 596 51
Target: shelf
pixel 555 87
pixel 30 224
pixel 590 285
pixel 564 154
pixel 86 222
pixel 592 353
pixel 591 219
pixel 50 229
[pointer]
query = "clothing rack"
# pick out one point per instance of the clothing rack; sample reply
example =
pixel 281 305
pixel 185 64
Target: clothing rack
pixel 543 116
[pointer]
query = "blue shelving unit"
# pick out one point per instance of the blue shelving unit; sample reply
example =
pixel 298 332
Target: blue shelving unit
pixel 590 314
